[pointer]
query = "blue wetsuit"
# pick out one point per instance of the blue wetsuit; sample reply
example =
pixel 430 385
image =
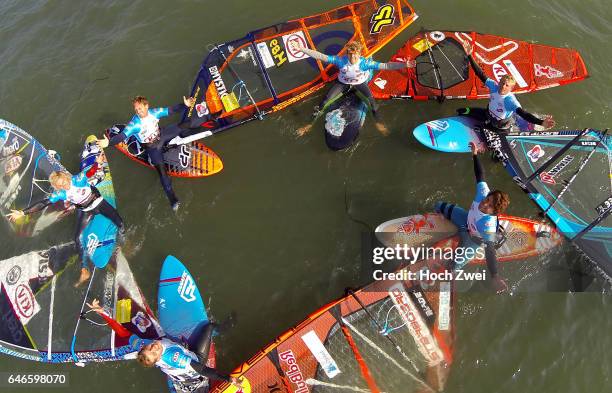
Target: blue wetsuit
pixel 475 227
pixel 154 139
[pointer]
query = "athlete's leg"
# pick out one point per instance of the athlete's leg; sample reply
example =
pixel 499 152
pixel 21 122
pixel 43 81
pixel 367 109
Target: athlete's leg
pixel 108 211
pixel 82 220
pixel 364 89
pixel 156 157
pixel 480 114
pixel 333 93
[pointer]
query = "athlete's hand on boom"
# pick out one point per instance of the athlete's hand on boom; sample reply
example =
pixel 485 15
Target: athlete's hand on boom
pixel 102 143
pixel 468 48
pixel 95 306
pixel 14 215
pixel 474 148
pixel 188 101
pixel 548 122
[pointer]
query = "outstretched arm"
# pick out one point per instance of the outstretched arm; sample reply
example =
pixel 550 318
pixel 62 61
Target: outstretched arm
pixel 547 121
pixel 478 171
pixel 311 52
pixel 477 70
pixel 116 326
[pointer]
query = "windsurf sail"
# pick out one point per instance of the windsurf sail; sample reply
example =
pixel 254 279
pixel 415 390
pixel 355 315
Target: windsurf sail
pixel 258 74
pixel 569 175
pixel 390 336
pixel 25 166
pixel 443 71
pixel 38 306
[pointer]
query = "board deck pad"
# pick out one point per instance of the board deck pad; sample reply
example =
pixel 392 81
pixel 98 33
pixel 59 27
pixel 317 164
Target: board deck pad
pixel 432 229
pixel 453 134
pixel 344 119
pixel 181 310
pixel 193 159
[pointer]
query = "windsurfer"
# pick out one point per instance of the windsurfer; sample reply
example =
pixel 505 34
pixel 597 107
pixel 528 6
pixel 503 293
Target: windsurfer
pixel 354 71
pixel 144 126
pixel 480 225
pixel 502 103
pixel 77 191
pixel 172 358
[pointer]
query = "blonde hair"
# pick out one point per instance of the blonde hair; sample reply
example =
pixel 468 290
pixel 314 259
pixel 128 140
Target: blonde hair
pixel 54 177
pixel 507 78
pixel 140 100
pixel 354 46
pixel 142 358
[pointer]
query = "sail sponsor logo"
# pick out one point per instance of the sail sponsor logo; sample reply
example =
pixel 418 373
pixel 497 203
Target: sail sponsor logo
pixel 9 320
pixel 536 153
pixel 384 16
pixel 604 207
pixel 547 71
pixel 549 177
pixel 483 52
pixel 293 372
pixel 444 306
pixel 141 321
pixel 187 288
pixel 419 297
pixel 202 109
pixel 24 300
pixel 291 41
pixel 314 344
pixel 417 327
pixel 380 83
pixel 437 36
pixel 265 55
pixel 219 84
pixel 277 52
pixel 11 148
pixel 499 71
pixel 13 275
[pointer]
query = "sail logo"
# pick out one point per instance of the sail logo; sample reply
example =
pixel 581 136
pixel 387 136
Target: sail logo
pixel 549 177
pixel 24 300
pixel 293 372
pixel 536 153
pixel 291 41
pixel 547 71
pixel 219 84
pixel 384 16
pixel 13 275
pixel 417 327
pixel 381 83
pixel 187 288
pixel 202 109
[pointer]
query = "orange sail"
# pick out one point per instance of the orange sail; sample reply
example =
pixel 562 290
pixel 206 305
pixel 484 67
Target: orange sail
pixel 390 336
pixel 248 78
